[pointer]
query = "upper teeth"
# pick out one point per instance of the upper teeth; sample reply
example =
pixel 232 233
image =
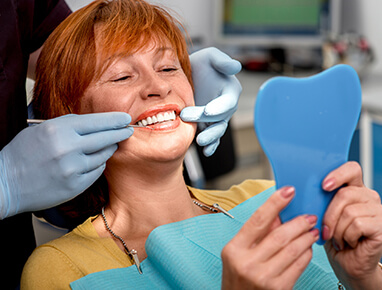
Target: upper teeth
pixel 158 118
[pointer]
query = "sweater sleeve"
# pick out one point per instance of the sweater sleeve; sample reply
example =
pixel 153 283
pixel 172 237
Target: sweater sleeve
pixel 39 274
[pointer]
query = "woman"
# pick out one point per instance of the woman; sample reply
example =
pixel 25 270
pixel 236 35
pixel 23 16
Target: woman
pixel 101 62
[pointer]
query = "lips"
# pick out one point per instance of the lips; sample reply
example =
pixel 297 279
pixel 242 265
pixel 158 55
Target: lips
pixel 159 116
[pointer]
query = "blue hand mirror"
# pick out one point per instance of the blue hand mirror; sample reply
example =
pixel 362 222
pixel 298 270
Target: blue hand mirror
pixel 305 127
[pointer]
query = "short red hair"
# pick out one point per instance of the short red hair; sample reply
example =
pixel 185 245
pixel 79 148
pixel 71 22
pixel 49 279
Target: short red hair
pixel 67 63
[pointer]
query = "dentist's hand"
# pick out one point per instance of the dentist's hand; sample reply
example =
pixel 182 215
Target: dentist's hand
pixel 50 163
pixel 217 93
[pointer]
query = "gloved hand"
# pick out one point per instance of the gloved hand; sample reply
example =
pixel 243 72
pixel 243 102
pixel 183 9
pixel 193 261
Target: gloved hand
pixel 50 163
pixel 217 93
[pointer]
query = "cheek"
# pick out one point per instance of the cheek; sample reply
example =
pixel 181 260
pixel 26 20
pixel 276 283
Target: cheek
pixel 184 90
pixel 91 103
pixel 104 101
pixel 158 147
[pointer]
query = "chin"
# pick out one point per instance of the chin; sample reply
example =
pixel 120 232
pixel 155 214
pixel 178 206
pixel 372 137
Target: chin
pixel 167 149
pixel 155 148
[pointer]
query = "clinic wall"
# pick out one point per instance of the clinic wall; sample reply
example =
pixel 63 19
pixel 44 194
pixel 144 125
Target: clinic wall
pixel 194 14
pixel 371 27
pixel 362 16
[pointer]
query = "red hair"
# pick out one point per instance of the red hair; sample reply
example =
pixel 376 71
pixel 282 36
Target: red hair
pixel 67 63
pixel 97 33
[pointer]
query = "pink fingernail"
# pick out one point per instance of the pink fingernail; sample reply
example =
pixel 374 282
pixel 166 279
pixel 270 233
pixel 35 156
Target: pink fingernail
pixel 312 219
pixel 325 233
pixel 287 192
pixel 329 184
pixel 315 232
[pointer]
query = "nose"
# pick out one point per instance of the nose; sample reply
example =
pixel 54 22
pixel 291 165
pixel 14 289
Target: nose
pixel 155 85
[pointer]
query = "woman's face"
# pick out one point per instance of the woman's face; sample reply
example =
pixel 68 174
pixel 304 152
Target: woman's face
pixel 151 86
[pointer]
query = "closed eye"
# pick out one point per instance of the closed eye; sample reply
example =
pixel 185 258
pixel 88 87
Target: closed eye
pixel 170 69
pixel 121 79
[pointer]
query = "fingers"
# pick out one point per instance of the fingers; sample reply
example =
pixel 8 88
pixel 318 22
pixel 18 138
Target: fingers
pixel 193 114
pixel 87 179
pixel 346 174
pixel 349 173
pixel 357 221
pixel 97 159
pixel 282 238
pixel 297 257
pixel 75 163
pixel 226 102
pixel 198 114
pixel 90 123
pixel 218 109
pixel 97 141
pixel 259 223
pixel 211 148
pixel 342 203
pixel 224 63
pixel 217 59
pixel 85 133
pixel 212 133
pixel 265 254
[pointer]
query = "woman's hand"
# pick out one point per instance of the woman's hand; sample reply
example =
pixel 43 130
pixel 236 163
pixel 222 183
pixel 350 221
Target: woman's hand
pixel 266 254
pixel 353 227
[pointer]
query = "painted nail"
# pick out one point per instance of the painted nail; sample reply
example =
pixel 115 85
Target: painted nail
pixel 328 185
pixel 287 192
pixel 325 232
pixel 315 232
pixel 312 219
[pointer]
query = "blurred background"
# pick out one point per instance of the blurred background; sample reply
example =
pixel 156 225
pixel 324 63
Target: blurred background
pixel 292 38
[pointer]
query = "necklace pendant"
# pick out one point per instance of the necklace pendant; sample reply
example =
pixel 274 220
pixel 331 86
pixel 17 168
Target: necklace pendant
pixel 217 206
pixel 137 263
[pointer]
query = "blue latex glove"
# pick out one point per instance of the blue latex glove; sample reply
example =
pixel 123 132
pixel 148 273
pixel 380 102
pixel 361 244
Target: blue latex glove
pixel 50 163
pixel 217 93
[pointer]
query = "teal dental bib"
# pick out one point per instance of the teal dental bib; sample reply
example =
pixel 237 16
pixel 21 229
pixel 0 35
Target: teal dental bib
pixel 186 255
pixel 305 128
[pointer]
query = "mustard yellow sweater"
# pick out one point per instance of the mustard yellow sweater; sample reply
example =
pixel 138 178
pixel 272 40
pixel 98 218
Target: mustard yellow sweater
pixel 58 263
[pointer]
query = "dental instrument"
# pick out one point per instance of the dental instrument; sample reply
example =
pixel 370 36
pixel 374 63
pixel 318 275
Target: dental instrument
pixel 39 121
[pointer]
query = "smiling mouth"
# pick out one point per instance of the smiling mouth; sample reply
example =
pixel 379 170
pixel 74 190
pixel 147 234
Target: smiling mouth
pixel 158 118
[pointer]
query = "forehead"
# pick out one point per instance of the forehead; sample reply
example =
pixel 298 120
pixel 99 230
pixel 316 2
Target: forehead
pixel 109 50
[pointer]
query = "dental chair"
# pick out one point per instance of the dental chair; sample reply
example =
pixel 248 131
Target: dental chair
pixel 199 169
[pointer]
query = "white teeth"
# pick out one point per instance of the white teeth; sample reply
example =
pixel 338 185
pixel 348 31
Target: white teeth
pixel 159 118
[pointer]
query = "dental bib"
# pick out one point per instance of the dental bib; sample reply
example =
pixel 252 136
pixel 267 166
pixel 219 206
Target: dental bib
pixel 186 255
pixel 305 128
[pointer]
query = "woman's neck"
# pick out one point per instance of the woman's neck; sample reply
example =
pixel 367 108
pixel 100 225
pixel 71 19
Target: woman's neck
pixel 156 198
pixel 138 204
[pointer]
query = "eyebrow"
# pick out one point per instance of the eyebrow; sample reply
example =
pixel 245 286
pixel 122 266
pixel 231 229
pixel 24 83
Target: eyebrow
pixel 165 49
pixel 158 50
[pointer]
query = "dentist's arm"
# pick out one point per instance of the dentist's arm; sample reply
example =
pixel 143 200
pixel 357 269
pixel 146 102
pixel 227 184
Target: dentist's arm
pixel 50 163
pixel 217 92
